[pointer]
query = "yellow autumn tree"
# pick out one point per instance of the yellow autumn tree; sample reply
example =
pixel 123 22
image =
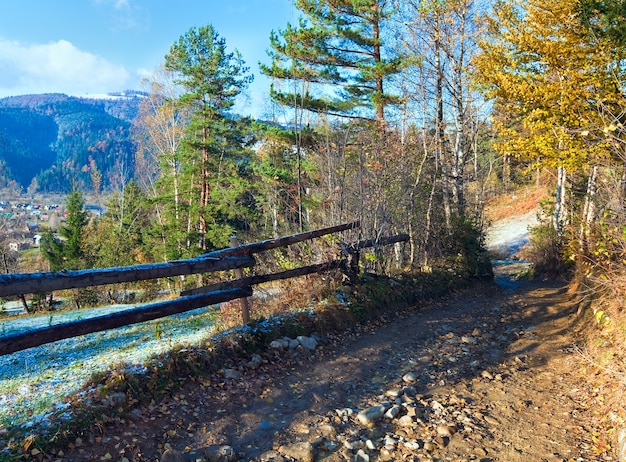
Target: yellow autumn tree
pixel 540 67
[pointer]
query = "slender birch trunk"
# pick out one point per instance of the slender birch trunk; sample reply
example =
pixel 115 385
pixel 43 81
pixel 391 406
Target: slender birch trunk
pixel 560 210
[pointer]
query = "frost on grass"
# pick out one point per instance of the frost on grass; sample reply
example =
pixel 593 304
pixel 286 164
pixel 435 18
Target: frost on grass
pixel 508 235
pixel 34 382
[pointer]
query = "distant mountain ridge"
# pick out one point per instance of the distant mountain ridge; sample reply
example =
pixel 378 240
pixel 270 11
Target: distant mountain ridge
pixel 52 142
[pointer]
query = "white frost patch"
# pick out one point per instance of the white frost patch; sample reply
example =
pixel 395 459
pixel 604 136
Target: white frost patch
pixel 508 235
pixel 33 382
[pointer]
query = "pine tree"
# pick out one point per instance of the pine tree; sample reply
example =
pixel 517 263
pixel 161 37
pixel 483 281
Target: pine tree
pixel 338 45
pixel 605 19
pixel 276 188
pixel 213 149
pixel 68 253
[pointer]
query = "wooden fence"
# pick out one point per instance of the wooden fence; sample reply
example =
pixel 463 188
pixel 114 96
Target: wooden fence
pixel 232 258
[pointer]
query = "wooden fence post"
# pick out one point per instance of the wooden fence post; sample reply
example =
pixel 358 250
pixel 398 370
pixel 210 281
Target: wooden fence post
pixel 245 305
pixel 350 268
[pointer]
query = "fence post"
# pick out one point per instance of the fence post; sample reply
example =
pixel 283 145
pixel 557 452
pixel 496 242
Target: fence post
pixel 351 267
pixel 245 305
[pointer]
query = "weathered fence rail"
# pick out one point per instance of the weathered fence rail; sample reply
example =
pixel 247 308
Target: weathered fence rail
pixel 254 280
pixel 36 337
pixel 33 283
pixel 256 247
pixel 219 260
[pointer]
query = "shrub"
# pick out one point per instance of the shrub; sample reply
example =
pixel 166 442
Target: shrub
pixel 545 251
pixel 465 246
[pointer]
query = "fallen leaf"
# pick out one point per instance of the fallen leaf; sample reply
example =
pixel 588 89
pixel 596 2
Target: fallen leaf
pixel 28 442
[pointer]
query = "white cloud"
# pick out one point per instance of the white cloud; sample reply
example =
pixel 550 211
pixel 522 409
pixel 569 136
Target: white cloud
pixel 57 67
pixel 117 4
pixel 144 73
pixel 122 14
pixel 122 4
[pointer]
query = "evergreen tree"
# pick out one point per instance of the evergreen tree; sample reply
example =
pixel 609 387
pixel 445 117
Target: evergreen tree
pixel 277 185
pixel 213 150
pixel 605 19
pixel 336 61
pixel 339 45
pixel 52 250
pixel 68 253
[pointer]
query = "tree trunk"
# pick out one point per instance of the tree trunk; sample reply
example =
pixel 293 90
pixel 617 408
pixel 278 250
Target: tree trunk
pixel 205 192
pixel 380 103
pixel 459 105
pixel 24 303
pixel 560 209
pixel 440 128
pixel 506 172
pixel 588 210
pixel 622 186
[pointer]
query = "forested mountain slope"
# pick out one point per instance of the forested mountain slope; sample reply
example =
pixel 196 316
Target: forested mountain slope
pixel 50 142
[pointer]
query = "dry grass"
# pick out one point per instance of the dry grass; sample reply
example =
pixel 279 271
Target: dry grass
pixel 604 351
pixel 281 297
pixel 524 200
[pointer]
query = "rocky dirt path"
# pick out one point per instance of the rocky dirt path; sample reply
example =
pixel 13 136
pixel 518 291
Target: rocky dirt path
pixel 487 376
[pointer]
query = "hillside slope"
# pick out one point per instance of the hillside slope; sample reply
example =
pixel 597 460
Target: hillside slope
pixel 58 140
pixel 510 218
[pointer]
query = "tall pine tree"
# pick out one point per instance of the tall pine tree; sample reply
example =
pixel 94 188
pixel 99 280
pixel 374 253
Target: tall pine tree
pixel 214 157
pixel 339 46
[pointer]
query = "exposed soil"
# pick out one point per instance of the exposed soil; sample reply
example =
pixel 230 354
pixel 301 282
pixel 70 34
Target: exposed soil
pixel 497 378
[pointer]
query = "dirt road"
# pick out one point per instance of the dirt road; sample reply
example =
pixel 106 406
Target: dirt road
pixel 489 376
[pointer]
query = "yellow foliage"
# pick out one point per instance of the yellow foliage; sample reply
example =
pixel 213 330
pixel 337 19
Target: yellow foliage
pixel 546 78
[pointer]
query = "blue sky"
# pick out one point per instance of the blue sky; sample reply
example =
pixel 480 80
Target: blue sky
pixel 92 47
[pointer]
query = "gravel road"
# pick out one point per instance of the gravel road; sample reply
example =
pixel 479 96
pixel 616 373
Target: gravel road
pixel 488 376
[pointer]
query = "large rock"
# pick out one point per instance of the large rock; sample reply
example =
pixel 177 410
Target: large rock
pixel 232 374
pixel 255 362
pixel 279 344
pixel 393 412
pixel 307 342
pixel 371 415
pixel 171 455
pixel 271 456
pixel 302 452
